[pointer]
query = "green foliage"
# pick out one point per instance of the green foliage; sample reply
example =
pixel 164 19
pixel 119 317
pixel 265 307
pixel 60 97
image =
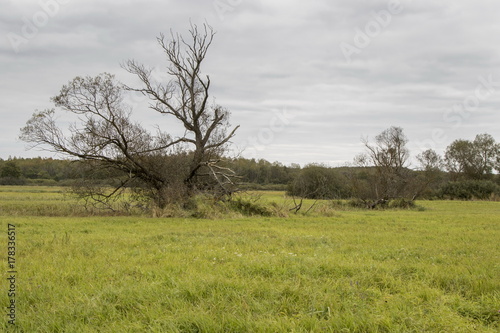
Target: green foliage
pixel 402 203
pixel 473 159
pixel 312 181
pixel 12 181
pixel 249 206
pixel 10 173
pixel 10 169
pixel 262 172
pixel 470 189
pixel 398 203
pixel 46 168
pixel 208 207
pixel 356 203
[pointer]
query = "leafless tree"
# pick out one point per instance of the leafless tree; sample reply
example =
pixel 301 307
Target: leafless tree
pixel 430 161
pixel 186 98
pixel 429 173
pixel 160 166
pixel 387 159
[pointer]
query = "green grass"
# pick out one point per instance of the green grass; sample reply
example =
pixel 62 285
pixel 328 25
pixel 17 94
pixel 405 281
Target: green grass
pixel 436 270
pixel 37 200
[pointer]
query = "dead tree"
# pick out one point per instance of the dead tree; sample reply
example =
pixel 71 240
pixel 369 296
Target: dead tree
pixel 186 99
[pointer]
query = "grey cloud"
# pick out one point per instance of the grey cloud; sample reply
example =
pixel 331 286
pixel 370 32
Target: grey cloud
pixel 270 55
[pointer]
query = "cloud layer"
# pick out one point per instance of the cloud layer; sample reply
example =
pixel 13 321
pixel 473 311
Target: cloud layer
pixel 305 80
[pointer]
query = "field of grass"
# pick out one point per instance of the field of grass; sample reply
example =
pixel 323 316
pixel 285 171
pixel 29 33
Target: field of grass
pixel 431 270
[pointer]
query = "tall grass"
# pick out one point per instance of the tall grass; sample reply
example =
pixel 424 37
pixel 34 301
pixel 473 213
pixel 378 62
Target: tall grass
pixel 357 271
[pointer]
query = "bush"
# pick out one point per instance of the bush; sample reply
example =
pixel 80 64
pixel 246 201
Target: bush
pixel 319 182
pixel 12 181
pixel 249 207
pixel 43 182
pixel 208 207
pixel 399 203
pixel 356 203
pixel 402 203
pixel 469 190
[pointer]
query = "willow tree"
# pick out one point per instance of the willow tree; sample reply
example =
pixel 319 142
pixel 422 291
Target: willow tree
pixel 155 164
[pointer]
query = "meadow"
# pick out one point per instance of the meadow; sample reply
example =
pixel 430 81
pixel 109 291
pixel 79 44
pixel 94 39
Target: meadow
pixel 435 269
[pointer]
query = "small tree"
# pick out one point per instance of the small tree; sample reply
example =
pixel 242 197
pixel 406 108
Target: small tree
pixel 430 161
pixel 430 172
pixel 488 154
pixel 157 165
pixel 318 182
pixel 10 173
pixel 10 169
pixel 388 158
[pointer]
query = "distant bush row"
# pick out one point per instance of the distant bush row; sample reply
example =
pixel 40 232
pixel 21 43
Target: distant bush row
pixel 470 189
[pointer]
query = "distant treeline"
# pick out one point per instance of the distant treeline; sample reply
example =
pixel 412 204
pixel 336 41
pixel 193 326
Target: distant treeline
pixel 312 181
pixel 38 171
pixel 255 174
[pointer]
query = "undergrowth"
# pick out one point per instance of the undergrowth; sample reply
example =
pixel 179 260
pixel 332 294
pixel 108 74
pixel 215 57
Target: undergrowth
pixel 58 201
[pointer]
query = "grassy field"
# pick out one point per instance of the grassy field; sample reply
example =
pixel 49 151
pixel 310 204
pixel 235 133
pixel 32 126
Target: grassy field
pixel 431 270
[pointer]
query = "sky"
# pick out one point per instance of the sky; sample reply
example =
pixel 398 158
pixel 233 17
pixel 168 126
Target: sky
pixel 305 80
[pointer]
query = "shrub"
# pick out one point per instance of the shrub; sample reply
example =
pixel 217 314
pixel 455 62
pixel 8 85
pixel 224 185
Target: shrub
pixel 206 207
pixel 402 203
pixel 249 207
pixel 318 182
pixel 469 190
pixel 12 181
pixel 356 203
pixel 399 203
pixel 44 182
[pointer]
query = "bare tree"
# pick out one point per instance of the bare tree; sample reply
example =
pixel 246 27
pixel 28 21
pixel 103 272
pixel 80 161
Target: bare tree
pixel 429 172
pixel 185 98
pixel 390 156
pixel 156 163
pixel 430 160
pixel 388 159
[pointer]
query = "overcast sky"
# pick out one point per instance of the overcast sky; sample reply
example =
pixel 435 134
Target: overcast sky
pixel 306 80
